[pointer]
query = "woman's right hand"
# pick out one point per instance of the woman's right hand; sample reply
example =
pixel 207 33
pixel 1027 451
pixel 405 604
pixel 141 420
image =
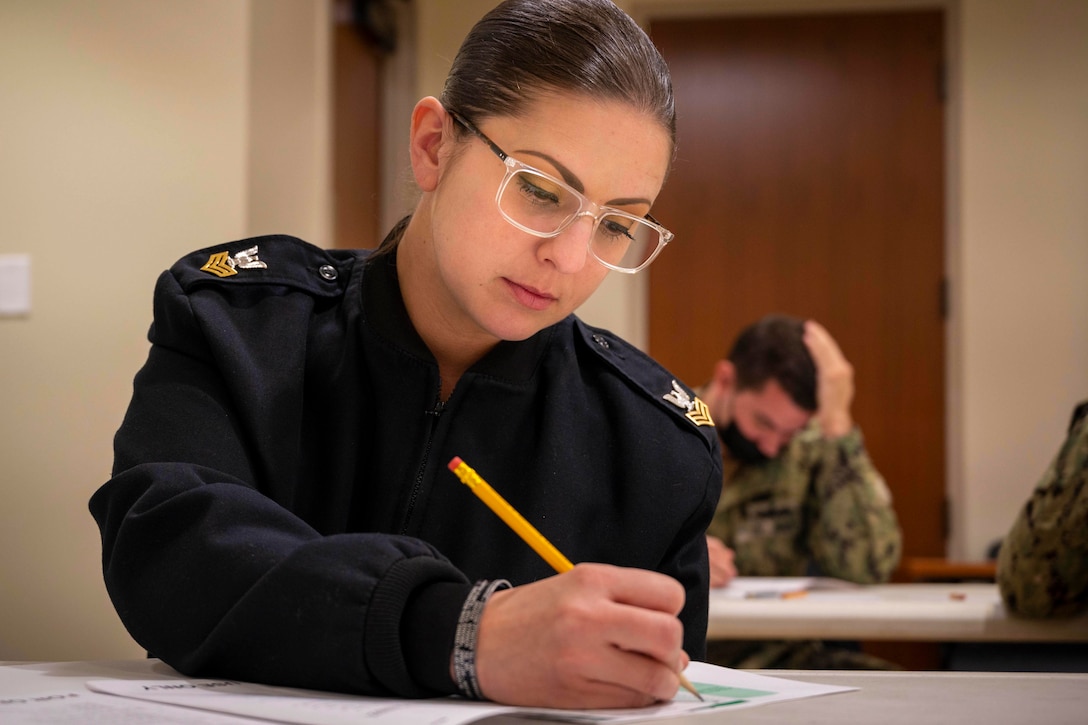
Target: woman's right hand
pixel 598 636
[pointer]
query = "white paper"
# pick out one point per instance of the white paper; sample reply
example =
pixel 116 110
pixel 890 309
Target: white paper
pixel 758 587
pixel 754 587
pixel 78 706
pixel 722 688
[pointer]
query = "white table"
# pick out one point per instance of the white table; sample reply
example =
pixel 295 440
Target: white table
pixel 890 698
pixel 901 612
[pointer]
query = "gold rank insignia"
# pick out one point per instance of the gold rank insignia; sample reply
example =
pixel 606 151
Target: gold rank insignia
pixel 697 411
pixel 221 264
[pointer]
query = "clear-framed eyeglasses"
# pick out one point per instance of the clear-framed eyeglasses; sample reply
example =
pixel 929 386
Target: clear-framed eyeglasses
pixel 544 206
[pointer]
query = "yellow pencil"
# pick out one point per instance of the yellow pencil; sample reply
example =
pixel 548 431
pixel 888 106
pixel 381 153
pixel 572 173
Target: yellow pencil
pixel 524 529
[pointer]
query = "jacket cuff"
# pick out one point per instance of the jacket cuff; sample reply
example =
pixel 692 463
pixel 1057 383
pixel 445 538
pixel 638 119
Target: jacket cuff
pixel 428 629
pixel 408 634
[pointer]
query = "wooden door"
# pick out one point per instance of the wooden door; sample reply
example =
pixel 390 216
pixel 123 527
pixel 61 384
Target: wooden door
pixel 810 180
pixel 356 164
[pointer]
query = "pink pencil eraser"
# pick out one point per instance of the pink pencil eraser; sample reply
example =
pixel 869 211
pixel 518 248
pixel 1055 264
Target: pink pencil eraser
pixel 455 462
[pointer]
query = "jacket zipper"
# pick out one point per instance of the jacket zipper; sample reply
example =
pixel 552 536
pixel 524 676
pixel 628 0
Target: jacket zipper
pixel 417 486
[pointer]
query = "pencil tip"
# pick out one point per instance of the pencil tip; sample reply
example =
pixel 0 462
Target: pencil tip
pixel 686 684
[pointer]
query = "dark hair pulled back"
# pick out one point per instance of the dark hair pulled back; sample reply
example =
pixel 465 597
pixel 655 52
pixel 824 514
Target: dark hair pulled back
pixel 523 49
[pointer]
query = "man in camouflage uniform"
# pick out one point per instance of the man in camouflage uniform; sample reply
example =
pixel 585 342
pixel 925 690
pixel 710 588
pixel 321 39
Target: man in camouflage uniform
pixel 1042 568
pixel 800 494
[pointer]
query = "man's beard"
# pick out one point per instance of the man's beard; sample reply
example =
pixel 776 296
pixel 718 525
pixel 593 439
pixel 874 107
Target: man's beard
pixel 741 447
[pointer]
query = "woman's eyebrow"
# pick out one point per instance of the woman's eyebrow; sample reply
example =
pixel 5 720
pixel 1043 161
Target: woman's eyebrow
pixel 573 180
pixel 566 173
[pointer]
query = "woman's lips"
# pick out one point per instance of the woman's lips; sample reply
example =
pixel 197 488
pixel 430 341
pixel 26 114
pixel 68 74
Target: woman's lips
pixel 531 298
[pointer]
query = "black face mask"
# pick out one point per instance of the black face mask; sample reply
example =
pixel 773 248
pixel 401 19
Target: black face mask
pixel 741 447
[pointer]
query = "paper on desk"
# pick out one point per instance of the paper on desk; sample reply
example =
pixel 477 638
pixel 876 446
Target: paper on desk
pixel 748 587
pixel 81 707
pixel 722 688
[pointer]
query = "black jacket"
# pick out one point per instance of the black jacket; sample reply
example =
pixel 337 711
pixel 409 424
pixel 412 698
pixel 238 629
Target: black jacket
pixel 281 509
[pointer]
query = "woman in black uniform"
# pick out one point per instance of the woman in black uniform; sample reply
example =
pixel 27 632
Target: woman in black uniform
pixel 281 508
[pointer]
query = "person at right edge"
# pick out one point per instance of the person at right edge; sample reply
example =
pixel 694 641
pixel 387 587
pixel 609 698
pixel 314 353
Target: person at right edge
pixel 800 495
pixel 1042 566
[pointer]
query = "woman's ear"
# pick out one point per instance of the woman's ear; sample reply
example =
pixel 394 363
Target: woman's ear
pixel 425 141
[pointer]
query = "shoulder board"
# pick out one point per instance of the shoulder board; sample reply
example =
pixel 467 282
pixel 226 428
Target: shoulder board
pixel 648 376
pixel 268 260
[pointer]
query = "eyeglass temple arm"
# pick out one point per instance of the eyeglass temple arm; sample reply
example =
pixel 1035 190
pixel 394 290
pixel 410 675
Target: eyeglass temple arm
pixel 478 133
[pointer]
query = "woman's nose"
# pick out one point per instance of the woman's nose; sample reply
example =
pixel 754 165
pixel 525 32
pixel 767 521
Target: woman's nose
pixel 569 249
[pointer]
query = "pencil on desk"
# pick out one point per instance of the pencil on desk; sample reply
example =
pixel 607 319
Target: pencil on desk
pixel 525 530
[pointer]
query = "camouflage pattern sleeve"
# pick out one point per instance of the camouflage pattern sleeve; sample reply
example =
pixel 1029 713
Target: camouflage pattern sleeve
pixel 760 516
pixel 821 502
pixel 853 531
pixel 1042 568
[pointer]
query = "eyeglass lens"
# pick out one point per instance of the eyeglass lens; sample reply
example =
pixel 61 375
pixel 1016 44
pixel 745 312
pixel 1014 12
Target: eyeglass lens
pixel 538 204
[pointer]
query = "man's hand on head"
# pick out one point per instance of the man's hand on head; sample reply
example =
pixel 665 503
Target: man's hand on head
pixel 834 381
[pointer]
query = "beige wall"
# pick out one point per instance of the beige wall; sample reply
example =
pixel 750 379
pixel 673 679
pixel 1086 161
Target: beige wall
pixel 1023 252
pixel 289 168
pixel 132 132
pixel 126 132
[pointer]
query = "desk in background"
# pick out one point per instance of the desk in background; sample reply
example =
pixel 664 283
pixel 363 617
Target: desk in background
pixel 940 569
pixel 891 612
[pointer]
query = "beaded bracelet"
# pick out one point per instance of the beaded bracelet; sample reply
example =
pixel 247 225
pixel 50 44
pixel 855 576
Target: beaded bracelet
pixel 468 629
